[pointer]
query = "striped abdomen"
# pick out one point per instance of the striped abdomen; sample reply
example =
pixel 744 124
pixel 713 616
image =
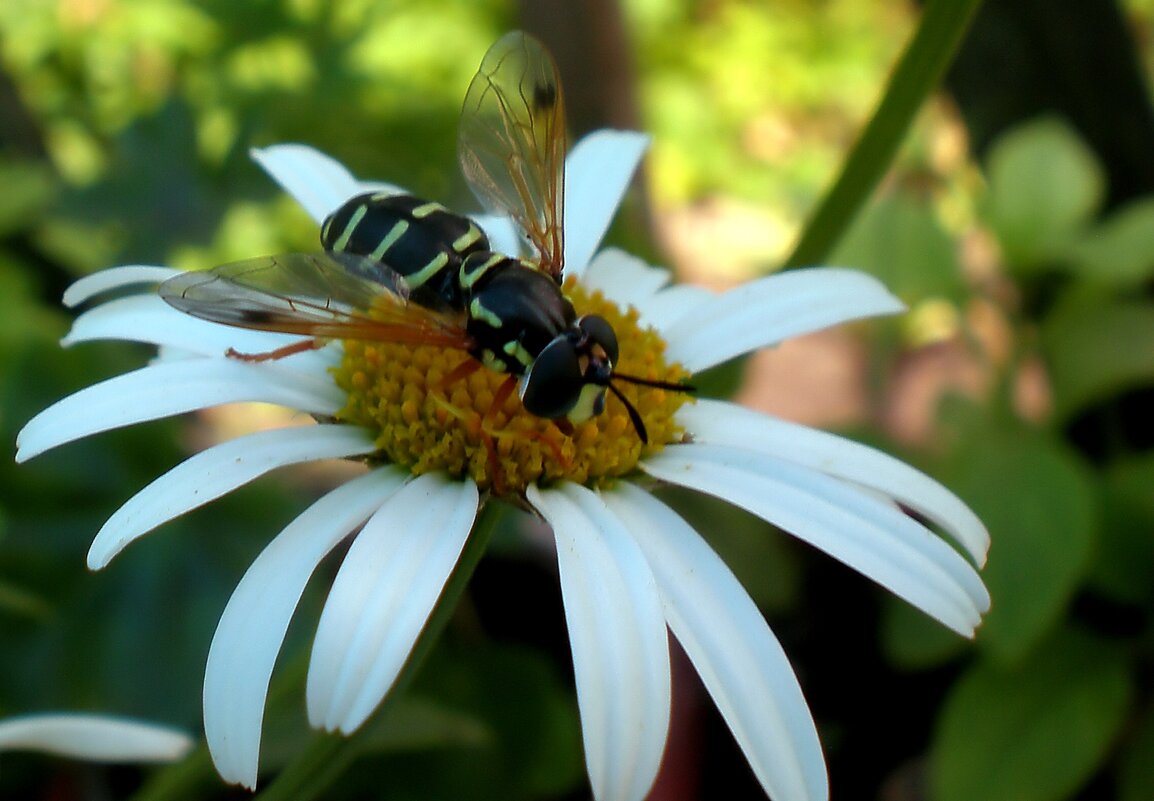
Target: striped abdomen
pixel 513 309
pixel 420 239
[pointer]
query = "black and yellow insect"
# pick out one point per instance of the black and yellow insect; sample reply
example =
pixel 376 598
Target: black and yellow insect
pixel 429 276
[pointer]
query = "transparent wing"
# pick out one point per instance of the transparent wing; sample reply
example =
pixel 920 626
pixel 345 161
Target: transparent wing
pixel 512 142
pixel 330 295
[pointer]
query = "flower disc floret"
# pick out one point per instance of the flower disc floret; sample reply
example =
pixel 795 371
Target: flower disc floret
pixel 424 422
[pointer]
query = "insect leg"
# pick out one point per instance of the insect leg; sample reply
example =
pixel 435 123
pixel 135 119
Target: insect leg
pixel 499 398
pixel 279 353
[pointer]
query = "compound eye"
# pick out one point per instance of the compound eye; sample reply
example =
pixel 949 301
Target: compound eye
pixel 598 330
pixel 553 382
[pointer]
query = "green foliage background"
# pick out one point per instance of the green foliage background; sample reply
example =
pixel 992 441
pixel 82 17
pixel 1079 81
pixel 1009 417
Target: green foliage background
pixel 126 133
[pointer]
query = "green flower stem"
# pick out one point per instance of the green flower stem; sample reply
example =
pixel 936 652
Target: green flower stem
pixel 929 53
pixel 329 755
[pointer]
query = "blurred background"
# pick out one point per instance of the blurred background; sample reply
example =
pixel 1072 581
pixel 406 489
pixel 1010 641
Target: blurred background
pixel 1017 222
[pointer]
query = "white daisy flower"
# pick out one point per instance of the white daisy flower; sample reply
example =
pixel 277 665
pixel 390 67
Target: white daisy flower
pixel 95 738
pixel 630 567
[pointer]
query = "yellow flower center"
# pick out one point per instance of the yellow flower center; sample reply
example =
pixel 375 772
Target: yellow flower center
pixel 425 423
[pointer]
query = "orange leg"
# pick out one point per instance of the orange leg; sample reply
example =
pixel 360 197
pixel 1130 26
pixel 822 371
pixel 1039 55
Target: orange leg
pixel 552 444
pixel 279 353
pixel 502 395
pixel 437 390
pixel 458 373
pixel 485 426
pixel 499 398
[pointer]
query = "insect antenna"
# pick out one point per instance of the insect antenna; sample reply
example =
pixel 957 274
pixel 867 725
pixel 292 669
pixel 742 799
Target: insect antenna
pixel 634 415
pixel 672 386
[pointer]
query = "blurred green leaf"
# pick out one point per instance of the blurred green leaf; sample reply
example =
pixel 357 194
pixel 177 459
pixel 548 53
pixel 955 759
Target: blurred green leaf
pixel 514 694
pixel 1096 346
pixel 82 248
pixel 17 601
pixel 25 324
pixel 1044 186
pixel 1123 560
pixel 411 723
pixel 1032 733
pixel 28 188
pixel 1038 503
pixel 416 723
pixel 1120 249
pixel 154 200
pixel 911 640
pixel 898 239
pixel 1136 765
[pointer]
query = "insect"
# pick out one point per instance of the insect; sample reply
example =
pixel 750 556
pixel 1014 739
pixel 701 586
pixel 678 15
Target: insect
pixel 429 275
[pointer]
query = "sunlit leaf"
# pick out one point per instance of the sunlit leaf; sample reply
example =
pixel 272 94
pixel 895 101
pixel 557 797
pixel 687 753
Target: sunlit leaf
pixel 1044 186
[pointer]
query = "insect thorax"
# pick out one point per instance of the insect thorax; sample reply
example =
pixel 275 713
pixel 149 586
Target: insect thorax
pixel 420 239
pixel 514 311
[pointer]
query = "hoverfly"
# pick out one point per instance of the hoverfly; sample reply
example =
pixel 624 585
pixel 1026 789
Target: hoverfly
pixel 429 275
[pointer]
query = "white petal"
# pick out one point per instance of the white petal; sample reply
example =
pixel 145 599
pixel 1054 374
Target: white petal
pixel 97 738
pixel 597 173
pixel 619 641
pixel 764 312
pixel 674 303
pixel 252 627
pixel 147 318
pixel 387 586
pixel 317 181
pixel 624 278
pixel 741 663
pixel 721 423
pixel 161 390
pixel 308 364
pixel 850 524
pixel 630 281
pixel 218 471
pixel 503 237
pixel 115 278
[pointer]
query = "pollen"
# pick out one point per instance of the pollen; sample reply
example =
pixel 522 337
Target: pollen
pixel 427 416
